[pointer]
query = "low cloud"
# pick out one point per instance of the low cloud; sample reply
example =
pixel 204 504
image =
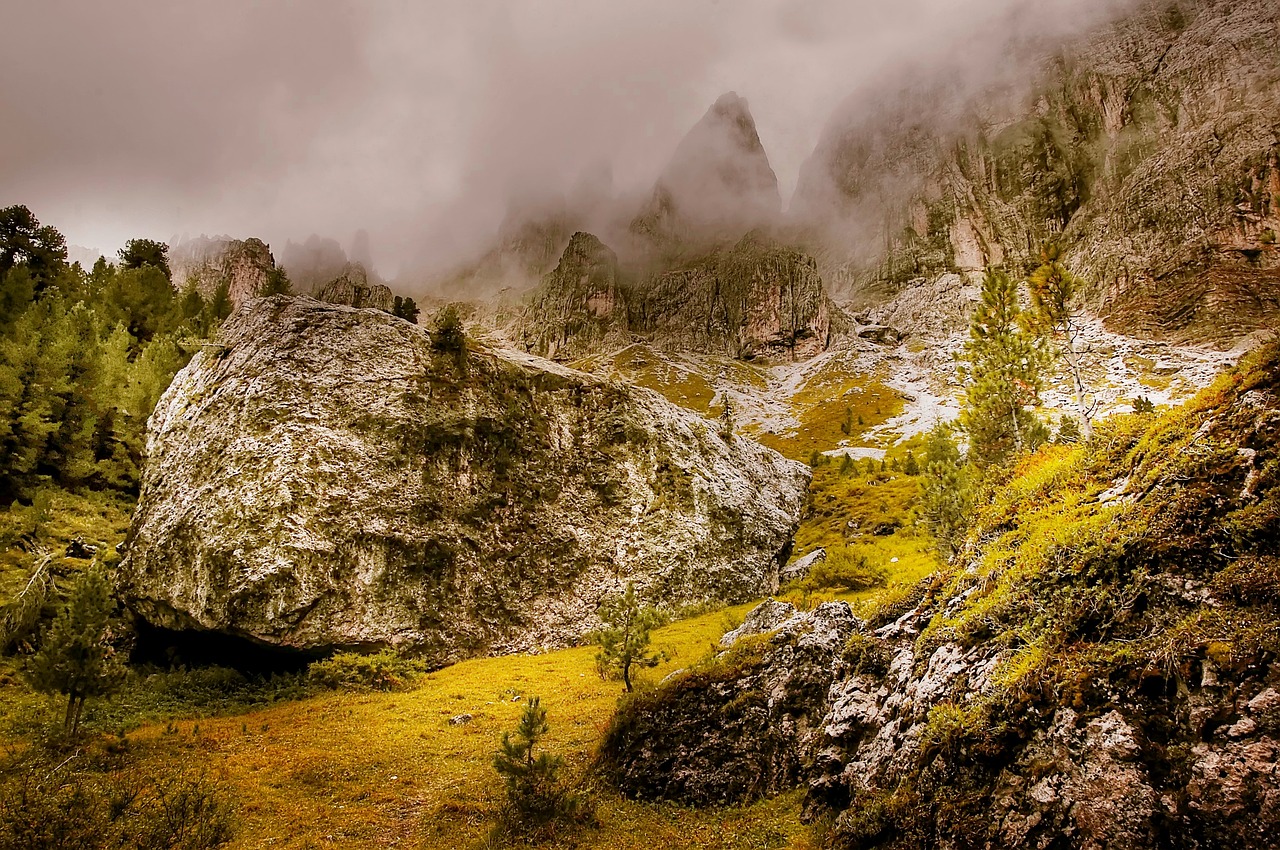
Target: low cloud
pixel 419 122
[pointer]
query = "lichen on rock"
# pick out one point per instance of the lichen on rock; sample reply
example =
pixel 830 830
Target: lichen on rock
pixel 323 477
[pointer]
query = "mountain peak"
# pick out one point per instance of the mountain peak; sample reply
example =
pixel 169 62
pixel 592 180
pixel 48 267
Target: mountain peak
pixel 719 182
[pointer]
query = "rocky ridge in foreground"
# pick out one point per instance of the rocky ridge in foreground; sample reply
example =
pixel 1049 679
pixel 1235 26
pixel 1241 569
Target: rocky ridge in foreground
pixel 1099 670
pixel 325 477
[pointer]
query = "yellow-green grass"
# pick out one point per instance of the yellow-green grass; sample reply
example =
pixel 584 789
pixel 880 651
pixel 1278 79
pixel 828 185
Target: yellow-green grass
pixel 832 408
pixel 680 385
pixel 387 769
pixel 51 522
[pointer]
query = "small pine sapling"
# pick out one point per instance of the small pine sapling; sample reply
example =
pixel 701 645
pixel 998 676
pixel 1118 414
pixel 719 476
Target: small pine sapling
pixel 624 637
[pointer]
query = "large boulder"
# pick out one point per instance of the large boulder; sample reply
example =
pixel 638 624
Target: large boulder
pixel 323 477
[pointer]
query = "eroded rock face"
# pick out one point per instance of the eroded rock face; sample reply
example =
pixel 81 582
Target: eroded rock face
pixel 244 266
pixel 756 298
pixel 324 478
pixel 1148 149
pixel 353 289
pixel 580 307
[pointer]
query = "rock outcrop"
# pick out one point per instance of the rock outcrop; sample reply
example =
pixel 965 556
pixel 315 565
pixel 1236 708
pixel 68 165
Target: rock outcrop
pixel 324 477
pixel 580 306
pixel 1149 149
pixel 243 266
pixel 1097 672
pixel 754 299
pixel 353 289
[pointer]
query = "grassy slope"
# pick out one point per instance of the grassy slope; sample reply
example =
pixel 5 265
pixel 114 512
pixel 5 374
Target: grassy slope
pixel 386 769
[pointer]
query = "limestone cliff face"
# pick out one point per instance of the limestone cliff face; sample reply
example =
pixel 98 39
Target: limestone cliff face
pixel 324 478
pixel 756 298
pixel 243 265
pixel 1150 149
pixel 580 306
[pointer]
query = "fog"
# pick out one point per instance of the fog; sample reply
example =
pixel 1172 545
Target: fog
pixel 421 122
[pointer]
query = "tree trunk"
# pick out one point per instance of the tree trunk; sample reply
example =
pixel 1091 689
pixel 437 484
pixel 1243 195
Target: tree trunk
pixel 1073 362
pixel 70 716
pixel 626 674
pixel 75 724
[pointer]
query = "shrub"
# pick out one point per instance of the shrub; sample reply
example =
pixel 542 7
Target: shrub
pixel 382 671
pixel 46 805
pixel 447 334
pixel 866 655
pixel 844 568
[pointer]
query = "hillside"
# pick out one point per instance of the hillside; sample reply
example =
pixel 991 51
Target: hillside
pixel 1098 662
pixel 934 506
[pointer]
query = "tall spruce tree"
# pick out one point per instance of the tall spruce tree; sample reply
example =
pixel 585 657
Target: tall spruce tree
pixel 1001 368
pixel 946 493
pixel 1054 291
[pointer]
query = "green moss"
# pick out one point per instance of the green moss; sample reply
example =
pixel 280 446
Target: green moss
pixel 866 655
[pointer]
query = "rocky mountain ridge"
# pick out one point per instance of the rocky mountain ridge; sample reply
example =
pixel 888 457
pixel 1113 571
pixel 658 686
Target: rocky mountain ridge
pixel 756 298
pixel 1149 149
pixel 244 266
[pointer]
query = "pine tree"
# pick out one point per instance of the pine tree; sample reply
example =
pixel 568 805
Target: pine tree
pixel 911 466
pixel 277 283
pixel 24 241
pixel 75 659
pixel 846 466
pixel 945 491
pixel 532 777
pixel 405 308
pixel 1001 369
pixel 1053 292
pixel 624 637
pixel 146 252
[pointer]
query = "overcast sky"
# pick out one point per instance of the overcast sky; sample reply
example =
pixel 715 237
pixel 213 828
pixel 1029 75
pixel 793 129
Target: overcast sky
pixel 416 120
